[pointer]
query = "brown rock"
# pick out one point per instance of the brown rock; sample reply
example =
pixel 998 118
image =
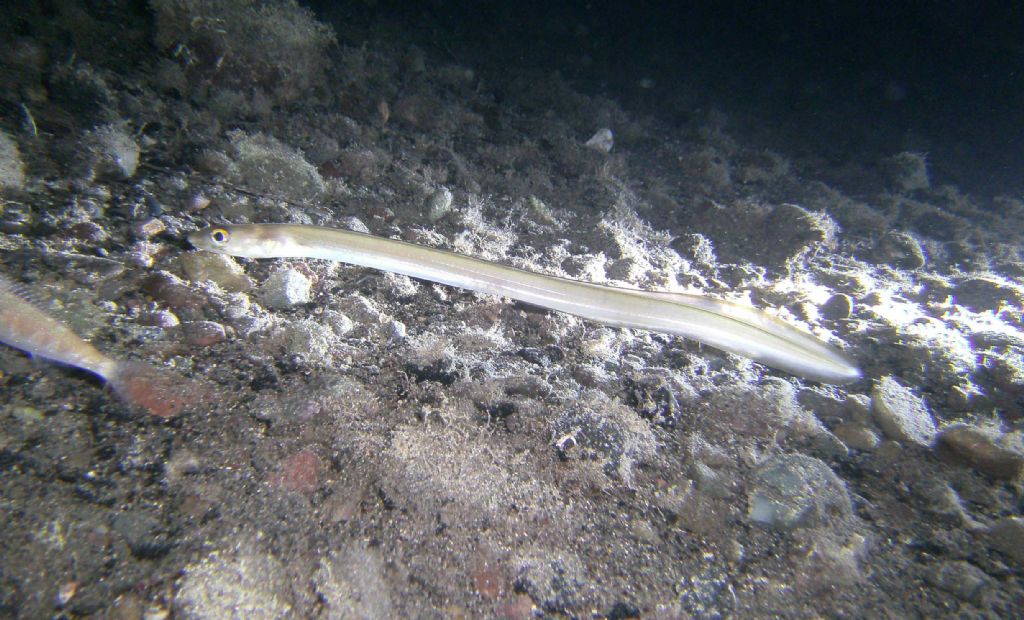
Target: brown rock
pixel 171 290
pixel 204 333
pixel 969 446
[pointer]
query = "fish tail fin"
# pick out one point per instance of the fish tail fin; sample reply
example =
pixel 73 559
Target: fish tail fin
pixel 160 392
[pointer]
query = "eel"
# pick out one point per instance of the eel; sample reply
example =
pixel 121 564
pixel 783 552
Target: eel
pixel 24 326
pixel 727 326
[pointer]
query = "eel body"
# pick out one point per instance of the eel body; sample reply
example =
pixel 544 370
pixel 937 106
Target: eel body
pixel 734 328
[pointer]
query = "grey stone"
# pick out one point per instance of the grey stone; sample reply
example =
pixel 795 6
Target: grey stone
pixel 900 414
pixel 287 288
pixel 793 491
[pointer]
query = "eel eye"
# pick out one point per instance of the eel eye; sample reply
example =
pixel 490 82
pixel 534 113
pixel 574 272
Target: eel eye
pixel 219 236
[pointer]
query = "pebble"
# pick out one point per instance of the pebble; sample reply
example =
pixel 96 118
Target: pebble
pixel 899 250
pixel 711 481
pixel 15 218
pixel 900 414
pixel 217 268
pixel 26 414
pixel 438 203
pixel 243 583
pixel 355 164
pixel 602 141
pixel 1007 536
pixel 147 228
pixel 159 318
pixel 396 331
pixel 838 307
pixel 12 169
pixel 111 153
pixel 90 232
pixel 354 581
pixel 145 534
pixel 128 606
pixel 856 437
pixel 300 473
pixel 791 231
pixel 553 579
pixel 985 293
pixel 975 449
pixel 793 491
pixel 287 288
pixel 961 579
pixel 204 333
pixel 171 290
pixel 907 171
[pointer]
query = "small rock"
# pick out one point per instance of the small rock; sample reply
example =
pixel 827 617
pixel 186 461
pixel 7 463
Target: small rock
pixel 791 231
pixel 418 111
pixel 987 293
pixel 899 250
pixel 857 408
pixel 89 232
pixel 197 203
pixel 212 163
pixel 520 607
pixel 602 141
pixel 147 228
pixel 217 268
pixel 287 288
pixel 555 580
pixel 401 286
pixel 204 333
pixel 941 500
pixel 793 491
pixel 267 165
pixel 711 481
pixel 66 592
pixel 907 171
pixel 241 583
pixel 971 447
pixel 488 580
pixel 438 203
pixel 26 414
pixel 1007 536
pixel 838 307
pixel 342 505
pixel 300 473
pixel 159 318
pixel 961 579
pixel 856 437
pixel 145 535
pixel 128 606
pixel 900 414
pixel 604 431
pixel 12 170
pixel 396 331
pixel 354 582
pixel 310 340
pixel 110 152
pixel 15 218
pixel 171 290
pixel 355 164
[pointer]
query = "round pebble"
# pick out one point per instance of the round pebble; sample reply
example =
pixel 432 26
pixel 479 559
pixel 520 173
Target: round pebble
pixel 838 307
pixel 900 414
pixel 792 491
pixel 287 288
